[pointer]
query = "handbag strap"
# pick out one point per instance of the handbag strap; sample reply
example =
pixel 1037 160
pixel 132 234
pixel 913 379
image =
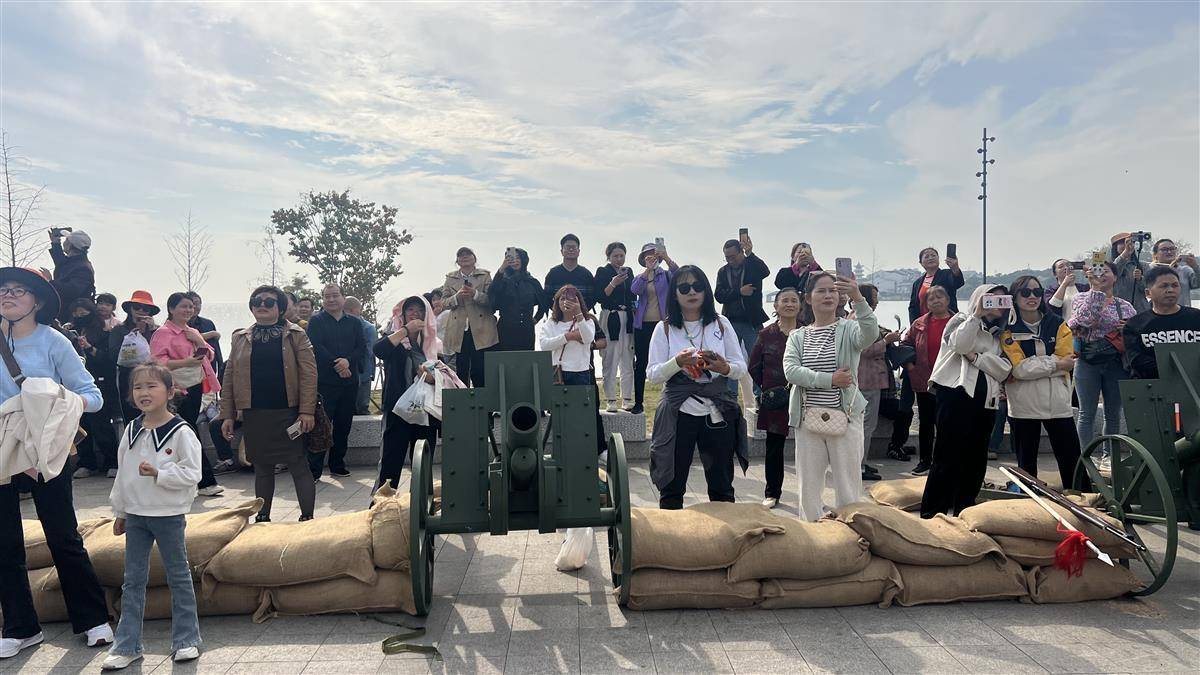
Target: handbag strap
pixel 10 361
pixel 564 347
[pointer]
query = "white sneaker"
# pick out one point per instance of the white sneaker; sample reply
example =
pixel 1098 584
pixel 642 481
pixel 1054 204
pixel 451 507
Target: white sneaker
pixel 117 662
pixel 186 654
pixel 82 473
pixel 210 491
pixel 612 407
pixel 112 473
pixel 100 635
pixel 10 647
pixel 770 502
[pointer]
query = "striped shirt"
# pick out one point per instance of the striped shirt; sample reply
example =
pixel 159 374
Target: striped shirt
pixel 820 354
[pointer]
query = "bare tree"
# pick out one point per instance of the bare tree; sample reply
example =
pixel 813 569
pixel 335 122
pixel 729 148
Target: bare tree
pixel 20 233
pixel 272 257
pixel 190 248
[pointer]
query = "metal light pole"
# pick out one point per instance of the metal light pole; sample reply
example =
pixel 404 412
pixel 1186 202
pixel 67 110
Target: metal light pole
pixel 983 197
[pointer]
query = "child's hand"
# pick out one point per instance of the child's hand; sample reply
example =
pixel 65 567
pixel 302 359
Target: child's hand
pixel 147 469
pixel 118 527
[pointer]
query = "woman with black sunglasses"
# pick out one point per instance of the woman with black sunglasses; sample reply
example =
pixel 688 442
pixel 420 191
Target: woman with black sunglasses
pixel 1041 349
pixel 694 353
pixel 271 384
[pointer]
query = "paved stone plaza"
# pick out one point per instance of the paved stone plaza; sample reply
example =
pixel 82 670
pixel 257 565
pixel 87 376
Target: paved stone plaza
pixel 501 606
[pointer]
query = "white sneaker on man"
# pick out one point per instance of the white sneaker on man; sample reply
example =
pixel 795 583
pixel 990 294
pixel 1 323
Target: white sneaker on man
pixel 82 472
pixel 100 635
pixel 186 654
pixel 117 661
pixel 770 502
pixel 210 491
pixel 10 647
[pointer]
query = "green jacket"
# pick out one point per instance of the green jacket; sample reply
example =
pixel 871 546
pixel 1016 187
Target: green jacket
pixel 851 337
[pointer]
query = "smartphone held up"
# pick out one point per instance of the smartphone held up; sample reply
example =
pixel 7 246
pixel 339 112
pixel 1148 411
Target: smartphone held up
pixel 997 302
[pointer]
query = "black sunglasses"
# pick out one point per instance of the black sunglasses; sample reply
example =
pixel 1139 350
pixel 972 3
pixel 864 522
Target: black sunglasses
pixel 269 303
pixel 1030 292
pixel 686 287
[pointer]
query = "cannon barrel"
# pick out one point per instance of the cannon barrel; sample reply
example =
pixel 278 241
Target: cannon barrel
pixel 520 442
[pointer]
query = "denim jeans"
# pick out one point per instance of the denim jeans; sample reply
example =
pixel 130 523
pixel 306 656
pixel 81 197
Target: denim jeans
pixel 747 335
pixel 1092 381
pixel 141 532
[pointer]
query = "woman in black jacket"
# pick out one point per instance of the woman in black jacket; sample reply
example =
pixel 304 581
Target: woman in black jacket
pixel 403 355
pixel 98 452
pixel 950 279
pixel 517 295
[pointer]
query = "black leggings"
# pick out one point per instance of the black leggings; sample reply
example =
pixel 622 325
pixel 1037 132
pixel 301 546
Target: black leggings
pixel 306 488
pixel 927 424
pixel 716 444
pixel 641 354
pixel 960 450
pixel 398 438
pixel 1064 440
pixel 774 464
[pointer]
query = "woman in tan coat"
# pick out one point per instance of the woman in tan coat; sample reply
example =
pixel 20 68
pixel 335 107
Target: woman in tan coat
pixel 471 328
pixel 271 382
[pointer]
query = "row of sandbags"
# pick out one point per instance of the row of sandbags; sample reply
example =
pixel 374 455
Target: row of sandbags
pixel 350 562
pixel 719 555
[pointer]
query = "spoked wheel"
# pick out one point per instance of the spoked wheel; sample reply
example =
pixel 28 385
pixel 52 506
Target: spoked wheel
pixel 1136 492
pixel 620 553
pixel 420 540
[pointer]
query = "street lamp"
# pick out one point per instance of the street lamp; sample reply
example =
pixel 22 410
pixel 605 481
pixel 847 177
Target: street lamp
pixel 983 197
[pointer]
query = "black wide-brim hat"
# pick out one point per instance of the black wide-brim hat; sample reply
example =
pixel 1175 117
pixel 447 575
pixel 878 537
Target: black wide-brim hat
pixel 41 287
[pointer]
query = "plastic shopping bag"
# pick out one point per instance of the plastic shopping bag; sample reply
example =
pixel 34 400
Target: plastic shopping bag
pixel 134 351
pixel 575 549
pixel 411 406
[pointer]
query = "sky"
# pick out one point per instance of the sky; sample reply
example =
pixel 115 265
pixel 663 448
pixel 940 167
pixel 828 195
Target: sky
pixel 850 126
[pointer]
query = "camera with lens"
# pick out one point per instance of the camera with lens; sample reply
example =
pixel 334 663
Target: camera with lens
pixel 57 232
pixel 1140 237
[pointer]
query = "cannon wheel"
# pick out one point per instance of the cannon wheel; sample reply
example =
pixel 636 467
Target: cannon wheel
pixel 1135 492
pixel 620 554
pixel 420 540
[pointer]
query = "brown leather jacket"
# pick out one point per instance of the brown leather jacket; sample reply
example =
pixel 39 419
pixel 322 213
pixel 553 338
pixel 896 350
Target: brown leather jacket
pixel 299 372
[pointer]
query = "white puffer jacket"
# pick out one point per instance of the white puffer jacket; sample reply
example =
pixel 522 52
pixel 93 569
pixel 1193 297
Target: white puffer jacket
pixel 966 334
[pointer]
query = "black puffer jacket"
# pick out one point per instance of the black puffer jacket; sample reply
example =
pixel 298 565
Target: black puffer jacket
pixel 74 278
pixel 518 296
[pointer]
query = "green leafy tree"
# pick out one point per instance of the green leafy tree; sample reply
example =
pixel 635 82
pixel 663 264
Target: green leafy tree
pixel 299 286
pixel 350 243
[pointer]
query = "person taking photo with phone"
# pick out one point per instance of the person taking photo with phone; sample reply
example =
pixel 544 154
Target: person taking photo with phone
pixel 653 290
pixel 1060 295
pixel 1166 254
pixel 693 353
pixel 1129 284
pixel 1040 347
pixel 966 381
pixel 404 352
pixel 271 386
pixel 949 278
pixel 519 298
pixel 740 292
pixel 617 301
pixel 826 407
pixel 471 328
pixel 796 274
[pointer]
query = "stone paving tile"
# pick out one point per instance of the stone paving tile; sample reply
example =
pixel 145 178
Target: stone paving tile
pixel 750 637
pixel 264 668
pixel 698 659
pixel 193 668
pixel 924 659
pixel 1004 658
pixel 768 661
pixel 351 667
pixel 608 663
pixel 842 659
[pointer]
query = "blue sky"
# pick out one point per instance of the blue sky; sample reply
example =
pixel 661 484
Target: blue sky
pixel 852 126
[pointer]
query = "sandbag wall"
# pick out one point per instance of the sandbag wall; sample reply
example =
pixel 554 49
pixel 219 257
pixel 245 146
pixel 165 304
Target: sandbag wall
pixel 730 556
pixel 349 562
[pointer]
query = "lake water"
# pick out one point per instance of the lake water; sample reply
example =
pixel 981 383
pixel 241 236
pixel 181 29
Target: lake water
pixel 229 316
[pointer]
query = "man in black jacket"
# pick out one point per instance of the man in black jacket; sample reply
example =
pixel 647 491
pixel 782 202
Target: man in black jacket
pixel 1166 322
pixel 739 290
pixel 74 276
pixel 570 272
pixel 951 279
pixel 339 345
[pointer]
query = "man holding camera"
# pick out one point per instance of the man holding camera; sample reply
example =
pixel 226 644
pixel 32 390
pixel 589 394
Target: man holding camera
pixel 1124 252
pixel 74 277
pixel 1166 254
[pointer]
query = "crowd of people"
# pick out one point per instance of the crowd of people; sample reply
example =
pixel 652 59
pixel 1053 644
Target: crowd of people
pixel 1039 356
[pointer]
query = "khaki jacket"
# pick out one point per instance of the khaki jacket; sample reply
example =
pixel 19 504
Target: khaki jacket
pixel 299 372
pixel 477 312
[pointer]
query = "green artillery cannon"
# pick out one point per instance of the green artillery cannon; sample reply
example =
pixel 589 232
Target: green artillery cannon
pixel 1154 479
pixel 516 482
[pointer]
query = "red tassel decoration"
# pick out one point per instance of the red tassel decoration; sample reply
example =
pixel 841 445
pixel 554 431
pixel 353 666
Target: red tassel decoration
pixel 1071 553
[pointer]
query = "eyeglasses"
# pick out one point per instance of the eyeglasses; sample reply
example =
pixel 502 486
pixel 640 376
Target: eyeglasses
pixel 686 287
pixel 13 292
pixel 269 303
pixel 1030 293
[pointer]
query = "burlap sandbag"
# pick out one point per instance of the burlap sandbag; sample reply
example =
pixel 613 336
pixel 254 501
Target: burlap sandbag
pixel 1093 500
pixel 902 493
pixel 701 537
pixel 865 587
pixel 1024 518
pixel 48 599
pixel 652 588
pixel 1040 553
pixel 205 535
pixel 989 579
pixel 391 592
pixel 1098 582
pixel 909 539
pixel 820 550
pixel 228 599
pixel 37 551
pixel 284 554
pixel 389 529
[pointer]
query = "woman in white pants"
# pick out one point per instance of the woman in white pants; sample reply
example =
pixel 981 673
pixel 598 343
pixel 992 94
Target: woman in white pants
pixel 826 408
pixel 617 300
